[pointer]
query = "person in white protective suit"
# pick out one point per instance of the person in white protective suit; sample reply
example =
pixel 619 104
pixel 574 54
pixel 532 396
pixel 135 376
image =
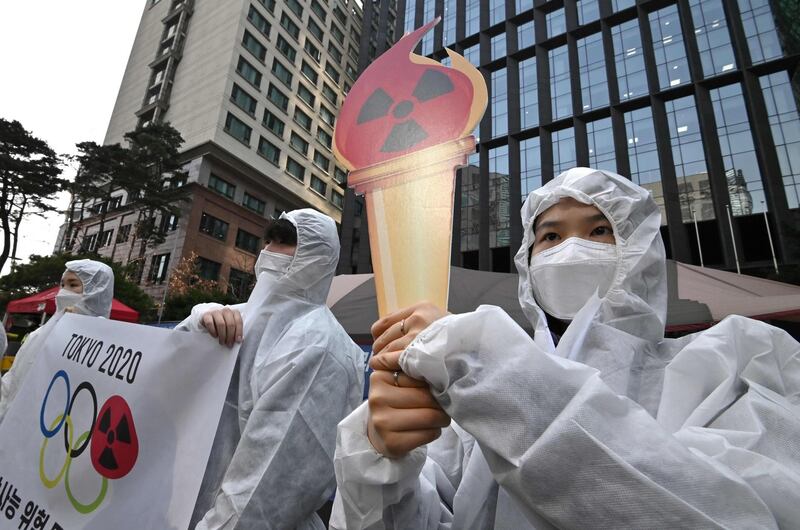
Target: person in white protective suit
pixel 609 425
pixel 297 375
pixel 87 288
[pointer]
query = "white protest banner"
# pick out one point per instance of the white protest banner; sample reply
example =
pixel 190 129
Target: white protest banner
pixel 112 427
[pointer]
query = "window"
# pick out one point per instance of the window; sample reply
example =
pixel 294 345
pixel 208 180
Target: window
pixel 528 94
pixel 500 218
pixel 223 187
pixel 286 49
pixel 123 233
pixel 601 144
pixel 497 11
pixel 337 34
pixel 329 93
pixel 781 97
pixel 330 69
pixel 556 23
pixel 318 185
pixel 713 39
pixel 277 97
pixel 216 228
pixel 738 151
pixel 258 20
pixel 499 103
pixel 619 5
pixel 498 46
pixel 473 17
pixel 563 150
pixel 592 65
pixel 353 53
pixel 238 129
pixel 673 68
pixel 628 57
pixel 208 269
pixel 269 4
pixel 339 175
pixel 305 94
pixel 273 123
pixel 282 73
pixel 334 52
pixel 249 72
pixel 290 27
pixel 240 284
pixel 340 16
pixel 298 143
pixel 694 191
pixel 243 100
pixel 449 23
pixel 321 161
pixel 428 13
pixel 350 70
pixel 530 159
pixel 309 72
pixel 324 138
pixel 642 154
pixel 337 199
pixel 588 11
pixel 296 8
pixel 312 50
pixel 560 90
pixel 105 238
pixel 318 10
pixel 763 38
pixel 247 241
pixel 302 119
pixel 252 45
pixel 158 268
pixel 473 55
pixel 253 203
pixel 268 150
pixel 326 115
pixel 408 19
pixel 89 243
pixel 524 5
pixel 315 30
pixel 295 169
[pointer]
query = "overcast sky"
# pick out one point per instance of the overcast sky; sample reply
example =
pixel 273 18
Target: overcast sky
pixel 61 63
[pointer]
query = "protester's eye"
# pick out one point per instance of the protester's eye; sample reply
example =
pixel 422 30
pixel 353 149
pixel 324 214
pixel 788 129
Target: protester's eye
pixel 602 231
pixel 550 236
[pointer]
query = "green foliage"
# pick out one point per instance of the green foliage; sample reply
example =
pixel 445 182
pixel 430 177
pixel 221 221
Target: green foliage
pixel 43 272
pixel 180 306
pixel 30 176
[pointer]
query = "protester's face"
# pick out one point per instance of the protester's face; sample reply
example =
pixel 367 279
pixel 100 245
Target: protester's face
pixel 570 218
pixel 71 282
pixel 280 248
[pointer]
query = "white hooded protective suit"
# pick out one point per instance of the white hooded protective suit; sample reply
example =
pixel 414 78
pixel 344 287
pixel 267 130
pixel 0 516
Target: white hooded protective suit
pixel 616 427
pixel 98 293
pixel 298 374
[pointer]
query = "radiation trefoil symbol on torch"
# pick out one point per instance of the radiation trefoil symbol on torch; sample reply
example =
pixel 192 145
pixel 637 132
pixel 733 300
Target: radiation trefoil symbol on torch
pixel 402 131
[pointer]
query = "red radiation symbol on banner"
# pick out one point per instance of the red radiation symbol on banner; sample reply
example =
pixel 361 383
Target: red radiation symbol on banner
pixel 115 445
pixel 111 438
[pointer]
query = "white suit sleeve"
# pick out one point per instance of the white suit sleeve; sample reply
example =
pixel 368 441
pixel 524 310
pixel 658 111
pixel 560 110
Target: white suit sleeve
pixel 376 492
pixel 563 444
pixel 194 321
pixel 303 393
pixel 23 360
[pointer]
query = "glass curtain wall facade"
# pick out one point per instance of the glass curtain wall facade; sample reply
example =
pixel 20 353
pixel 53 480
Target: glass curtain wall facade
pixel 696 100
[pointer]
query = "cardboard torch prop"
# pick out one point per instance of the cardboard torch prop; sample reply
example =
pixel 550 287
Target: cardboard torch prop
pixel 402 132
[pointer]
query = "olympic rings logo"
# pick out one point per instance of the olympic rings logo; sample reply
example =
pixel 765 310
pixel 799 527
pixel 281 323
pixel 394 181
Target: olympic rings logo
pixel 111 438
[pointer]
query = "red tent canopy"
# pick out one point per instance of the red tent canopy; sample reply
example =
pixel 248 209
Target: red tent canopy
pixel 45 301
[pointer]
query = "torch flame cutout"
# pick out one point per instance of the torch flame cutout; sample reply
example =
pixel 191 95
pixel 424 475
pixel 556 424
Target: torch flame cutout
pixel 403 129
pixel 404 103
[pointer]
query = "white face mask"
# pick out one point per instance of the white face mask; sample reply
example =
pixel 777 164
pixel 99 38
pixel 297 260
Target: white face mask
pixel 66 298
pixel 566 276
pixel 273 262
